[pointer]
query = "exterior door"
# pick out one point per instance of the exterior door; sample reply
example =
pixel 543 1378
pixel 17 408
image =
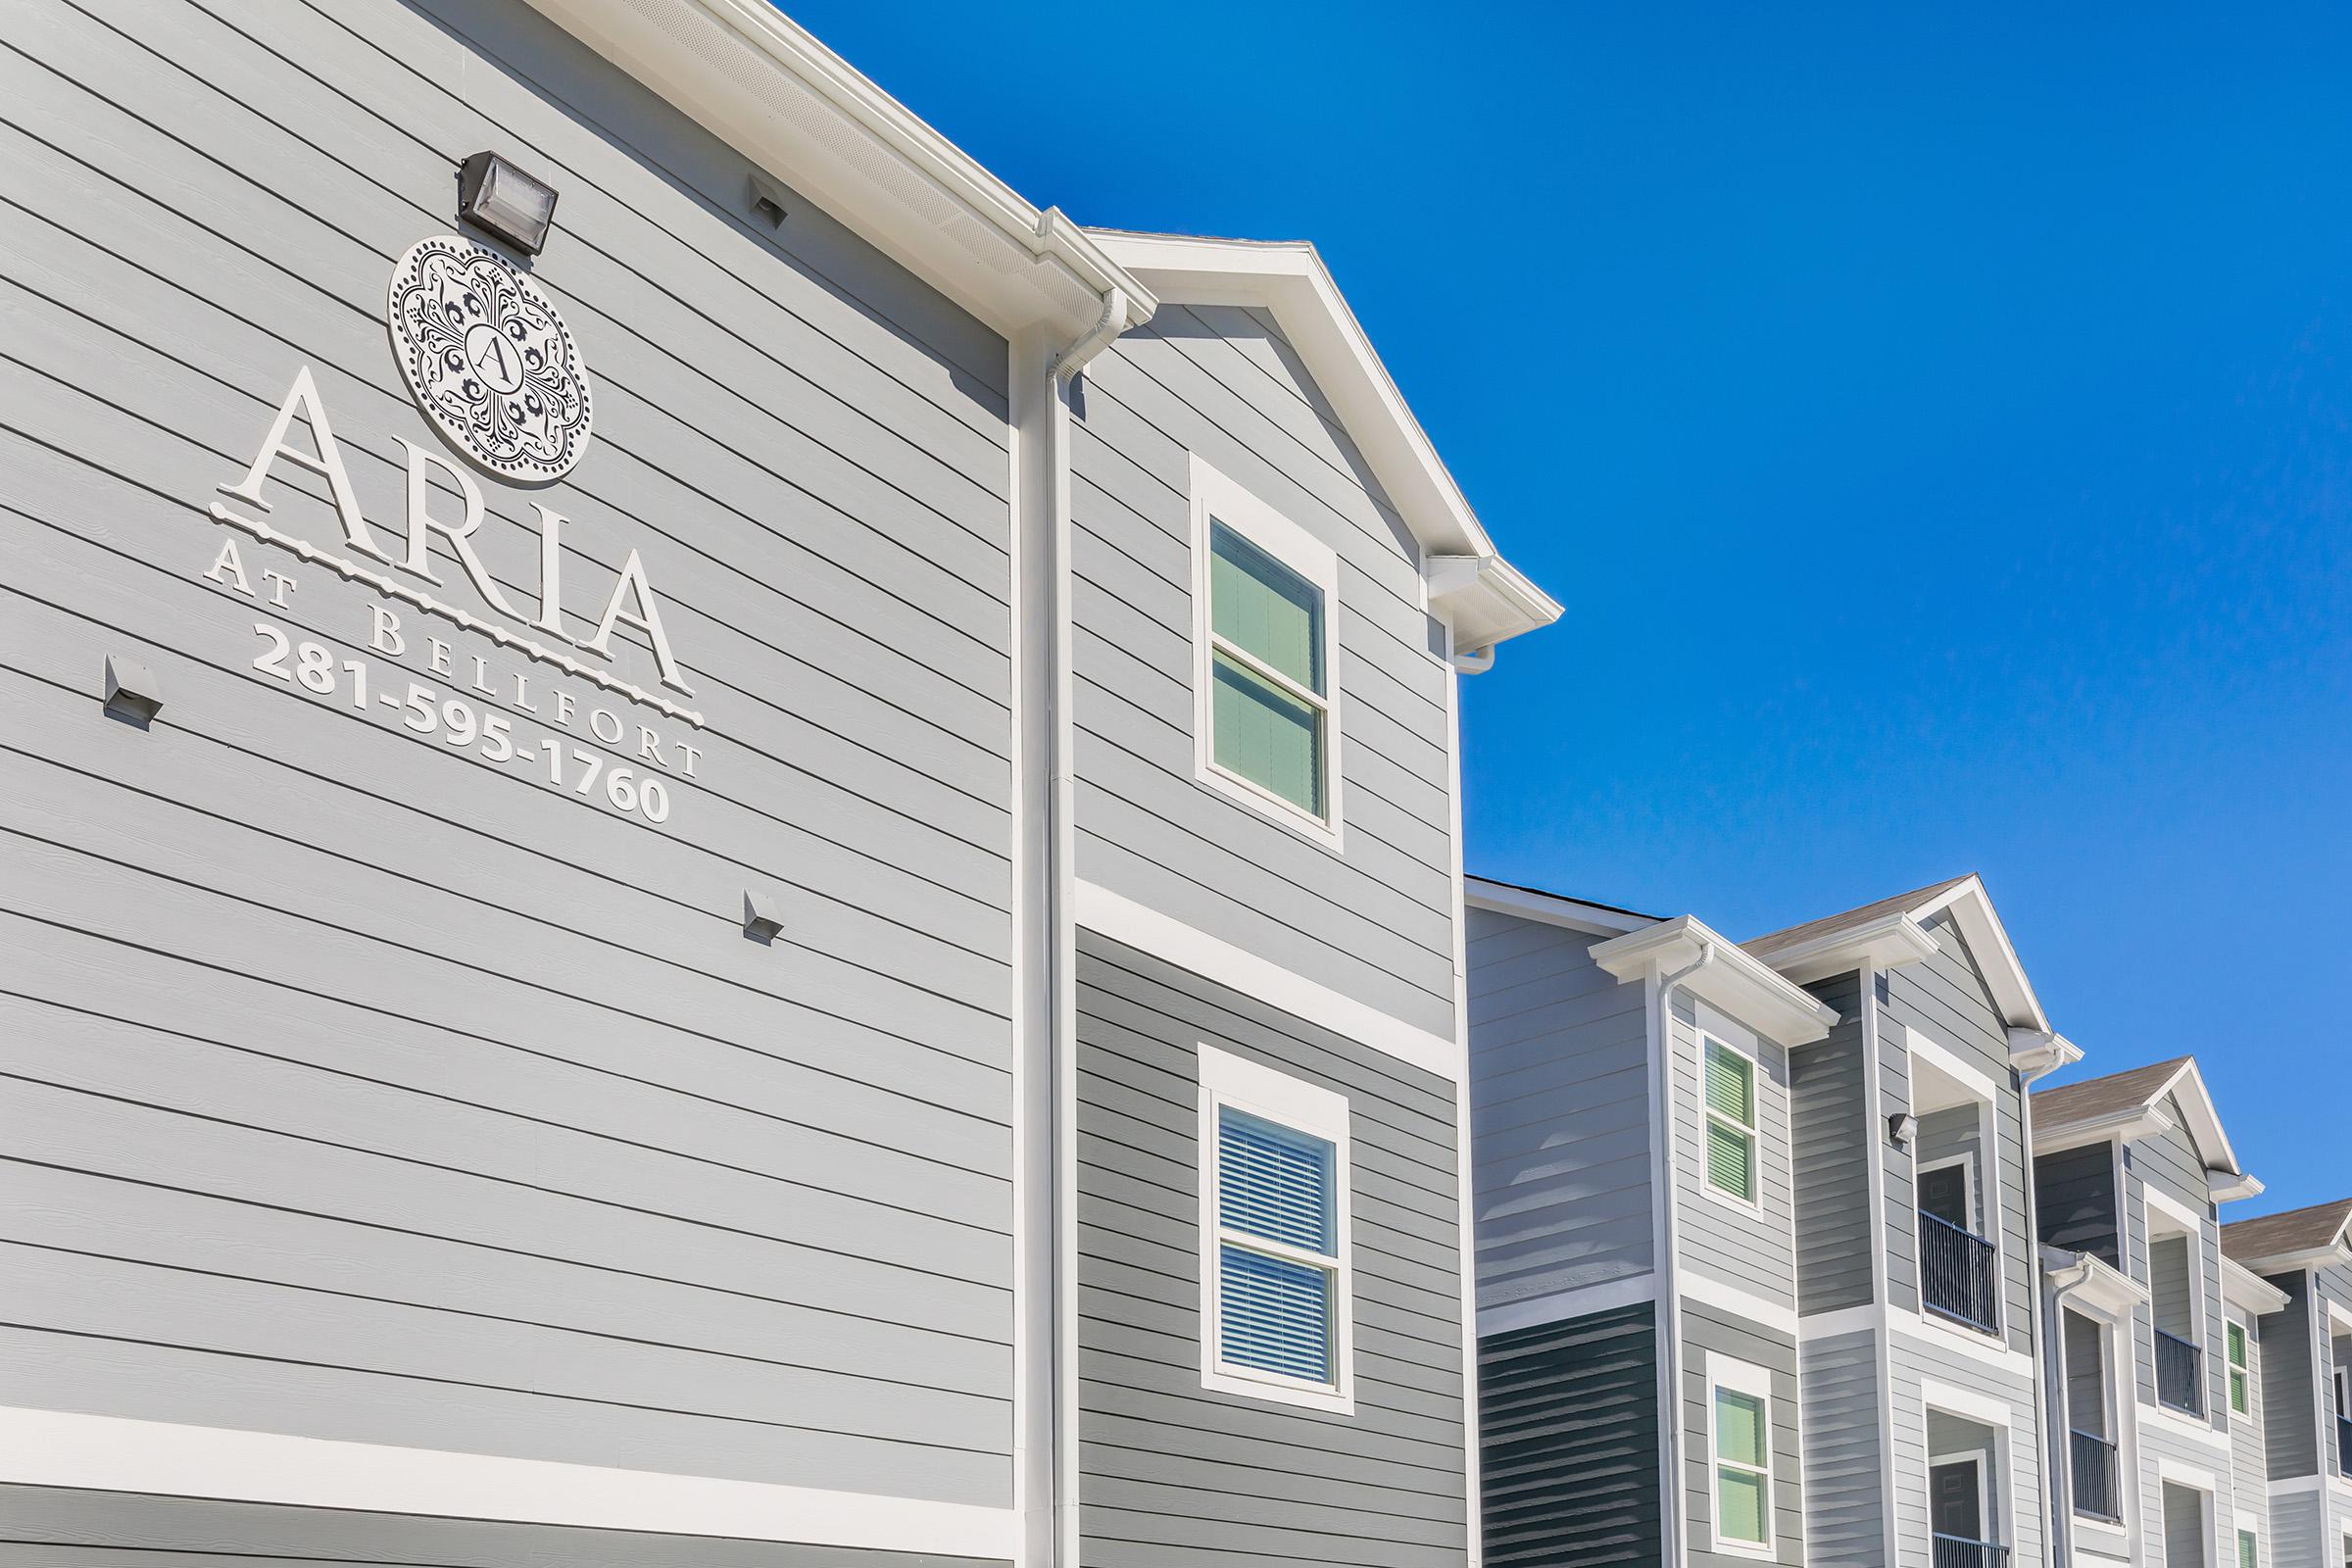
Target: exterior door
pixel 1956 1499
pixel 1943 1192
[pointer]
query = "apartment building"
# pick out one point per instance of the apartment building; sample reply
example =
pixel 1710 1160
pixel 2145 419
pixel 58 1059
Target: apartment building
pixel 1787 1178
pixel 2151 1337
pixel 2303 1380
pixel 721 847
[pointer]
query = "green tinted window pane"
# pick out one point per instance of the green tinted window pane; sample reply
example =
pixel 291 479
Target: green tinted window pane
pixel 1730 1085
pixel 1265 609
pixel 2237 1344
pixel 2246 1553
pixel 1267 736
pixel 1738 1427
pixel 2239 1400
pixel 1731 1160
pixel 1739 1505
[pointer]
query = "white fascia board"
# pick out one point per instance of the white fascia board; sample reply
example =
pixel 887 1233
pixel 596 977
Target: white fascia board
pixel 1550 909
pixel 1886 943
pixel 1973 910
pixel 1481 597
pixel 2242 1287
pixel 2038 1053
pixel 767 86
pixel 1733 979
pixel 2230 1187
pixel 2204 1119
pixel 2310 1258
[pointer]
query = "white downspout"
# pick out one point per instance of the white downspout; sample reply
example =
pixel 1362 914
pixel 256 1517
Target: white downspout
pixel 2038 1328
pixel 1670 1295
pixel 1046 1464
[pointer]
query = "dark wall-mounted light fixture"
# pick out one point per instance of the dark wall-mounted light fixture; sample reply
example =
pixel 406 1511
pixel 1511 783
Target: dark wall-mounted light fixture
pixel 1901 1128
pixel 763 915
pixel 132 690
pixel 768 201
pixel 495 195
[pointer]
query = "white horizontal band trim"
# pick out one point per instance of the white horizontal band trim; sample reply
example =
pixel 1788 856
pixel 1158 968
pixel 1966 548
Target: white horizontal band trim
pixel 1921 1329
pixel 2171 1469
pixel 2173 1424
pixel 1561 1305
pixel 1122 919
pixel 1711 1291
pixel 113 1453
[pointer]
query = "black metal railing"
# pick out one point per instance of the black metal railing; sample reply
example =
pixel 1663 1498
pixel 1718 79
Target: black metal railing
pixel 2098 1494
pixel 1959 1274
pixel 2180 1374
pixel 1958 1552
pixel 2343 1445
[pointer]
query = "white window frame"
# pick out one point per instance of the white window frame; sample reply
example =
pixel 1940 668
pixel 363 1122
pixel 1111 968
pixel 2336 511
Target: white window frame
pixel 1215 496
pixel 2246 1523
pixel 2230 1370
pixel 1276 1097
pixel 1987 1179
pixel 1755 1202
pixel 2179 1220
pixel 1739 1377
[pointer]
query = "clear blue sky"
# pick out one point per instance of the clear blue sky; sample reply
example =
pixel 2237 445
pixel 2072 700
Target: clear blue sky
pixel 1939 428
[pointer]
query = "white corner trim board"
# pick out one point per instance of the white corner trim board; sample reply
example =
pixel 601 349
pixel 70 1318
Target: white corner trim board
pixel 1124 921
pixel 113 1453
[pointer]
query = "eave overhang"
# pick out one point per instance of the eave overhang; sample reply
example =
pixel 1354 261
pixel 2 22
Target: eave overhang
pixel 2079 1279
pixel 1729 978
pixel 2242 1287
pixel 1551 908
pixel 1885 943
pixel 758 81
pixel 1481 597
pixel 2129 1126
pixel 2038 1053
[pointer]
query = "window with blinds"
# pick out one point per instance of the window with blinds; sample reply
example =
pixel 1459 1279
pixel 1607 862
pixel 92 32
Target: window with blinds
pixel 2249 1550
pixel 1268 705
pixel 2241 1399
pixel 1742 1467
pixel 1278 1251
pixel 1731 1099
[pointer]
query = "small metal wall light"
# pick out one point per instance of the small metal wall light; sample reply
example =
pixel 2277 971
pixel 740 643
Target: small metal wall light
pixel 495 195
pixel 132 690
pixel 1902 1127
pixel 762 916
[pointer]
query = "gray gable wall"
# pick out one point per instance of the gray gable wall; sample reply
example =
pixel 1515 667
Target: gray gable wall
pixel 370 1090
pixel 1375 919
pixel 1560 1111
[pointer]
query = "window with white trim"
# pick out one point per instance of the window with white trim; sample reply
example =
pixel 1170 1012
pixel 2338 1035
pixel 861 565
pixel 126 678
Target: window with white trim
pixel 2249 1548
pixel 2241 1396
pixel 1729 1091
pixel 1276 1273
pixel 1739 1456
pixel 1264 593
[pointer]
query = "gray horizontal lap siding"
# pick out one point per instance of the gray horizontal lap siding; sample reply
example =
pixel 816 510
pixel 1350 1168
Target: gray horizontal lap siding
pixel 1913 1362
pixel 2291 1382
pixel 1568 1445
pixel 373 1090
pixel 2074 1201
pixel 2334 1291
pixel 1173 1471
pixel 1746 1246
pixel 1559 1113
pixel 44 1527
pixel 1708 1332
pixel 2249 1475
pixel 1844 1469
pixel 2299 1530
pixel 1375 919
pixel 1945 996
pixel 1832 1134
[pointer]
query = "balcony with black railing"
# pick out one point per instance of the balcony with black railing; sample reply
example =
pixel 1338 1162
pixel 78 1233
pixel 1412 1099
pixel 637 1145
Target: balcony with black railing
pixel 1957 1551
pixel 2180 1374
pixel 2097 1489
pixel 1959 1274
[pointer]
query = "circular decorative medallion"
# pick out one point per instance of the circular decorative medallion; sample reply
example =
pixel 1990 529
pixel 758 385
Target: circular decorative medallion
pixel 488 357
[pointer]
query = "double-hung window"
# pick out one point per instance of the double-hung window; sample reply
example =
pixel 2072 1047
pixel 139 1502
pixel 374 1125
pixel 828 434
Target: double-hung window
pixel 1275 1301
pixel 1739 1455
pixel 1730 1096
pixel 1266 719
pixel 2241 1398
